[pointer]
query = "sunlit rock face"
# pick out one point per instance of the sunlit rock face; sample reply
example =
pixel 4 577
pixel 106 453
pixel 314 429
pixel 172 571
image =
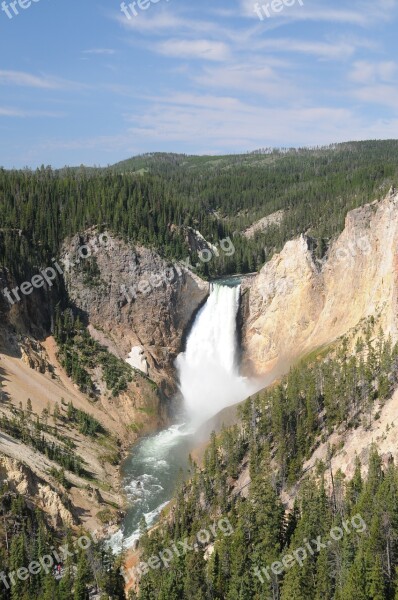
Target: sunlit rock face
pixel 298 303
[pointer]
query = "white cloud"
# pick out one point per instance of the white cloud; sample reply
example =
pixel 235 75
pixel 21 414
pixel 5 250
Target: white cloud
pixel 306 12
pixel 257 76
pixel 106 51
pixel 27 80
pixel 207 101
pixel 238 125
pixel 16 112
pixel 11 112
pixel 368 72
pixel 20 78
pixel 383 95
pixel 360 13
pixel 201 49
pixel 328 50
pixel 375 83
pixel 251 128
pixel 159 22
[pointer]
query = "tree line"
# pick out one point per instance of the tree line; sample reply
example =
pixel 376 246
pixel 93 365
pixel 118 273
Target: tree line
pixel 149 200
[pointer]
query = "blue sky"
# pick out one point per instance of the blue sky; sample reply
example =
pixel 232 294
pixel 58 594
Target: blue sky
pixel 81 83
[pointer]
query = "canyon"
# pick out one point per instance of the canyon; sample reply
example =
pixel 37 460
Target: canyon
pixel 295 305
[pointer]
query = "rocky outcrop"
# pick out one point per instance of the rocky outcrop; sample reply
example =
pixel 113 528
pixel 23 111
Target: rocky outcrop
pixel 132 297
pixel 28 316
pixel 22 480
pixel 34 355
pixel 275 219
pixel 296 303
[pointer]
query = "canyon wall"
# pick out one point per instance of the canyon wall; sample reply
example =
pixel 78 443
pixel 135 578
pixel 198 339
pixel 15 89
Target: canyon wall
pixel 297 303
pixel 135 299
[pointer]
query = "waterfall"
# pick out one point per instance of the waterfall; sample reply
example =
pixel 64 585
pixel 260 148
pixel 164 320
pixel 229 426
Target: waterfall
pixel 209 381
pixel 208 369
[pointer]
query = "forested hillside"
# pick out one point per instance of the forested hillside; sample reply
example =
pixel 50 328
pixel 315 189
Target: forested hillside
pixel 39 562
pixel 280 428
pixel 357 564
pixel 150 199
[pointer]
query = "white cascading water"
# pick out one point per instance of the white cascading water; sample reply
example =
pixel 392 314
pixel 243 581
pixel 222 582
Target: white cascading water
pixel 209 381
pixel 208 369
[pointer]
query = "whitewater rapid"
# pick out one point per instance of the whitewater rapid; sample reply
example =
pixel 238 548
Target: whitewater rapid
pixel 150 474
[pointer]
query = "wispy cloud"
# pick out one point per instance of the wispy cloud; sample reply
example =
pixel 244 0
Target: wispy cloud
pixel 375 83
pixel 195 100
pixel 198 49
pixel 382 95
pixel 21 113
pixel 163 21
pixel 160 23
pixel 250 127
pixel 323 50
pixel 258 77
pixel 359 13
pixel 106 51
pixel 242 126
pixel 365 71
pixel 44 82
pixel 109 143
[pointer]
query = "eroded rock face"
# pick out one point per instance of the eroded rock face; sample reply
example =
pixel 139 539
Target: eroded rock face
pixel 134 298
pixel 21 479
pixel 34 355
pixel 296 303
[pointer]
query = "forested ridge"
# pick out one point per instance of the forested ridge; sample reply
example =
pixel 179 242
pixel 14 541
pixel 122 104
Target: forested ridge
pixel 149 199
pixel 279 430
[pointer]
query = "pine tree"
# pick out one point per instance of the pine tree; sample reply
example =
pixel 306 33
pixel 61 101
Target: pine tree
pixel 375 580
pixel 18 559
pixel 83 576
pixel 323 586
pixel 355 586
